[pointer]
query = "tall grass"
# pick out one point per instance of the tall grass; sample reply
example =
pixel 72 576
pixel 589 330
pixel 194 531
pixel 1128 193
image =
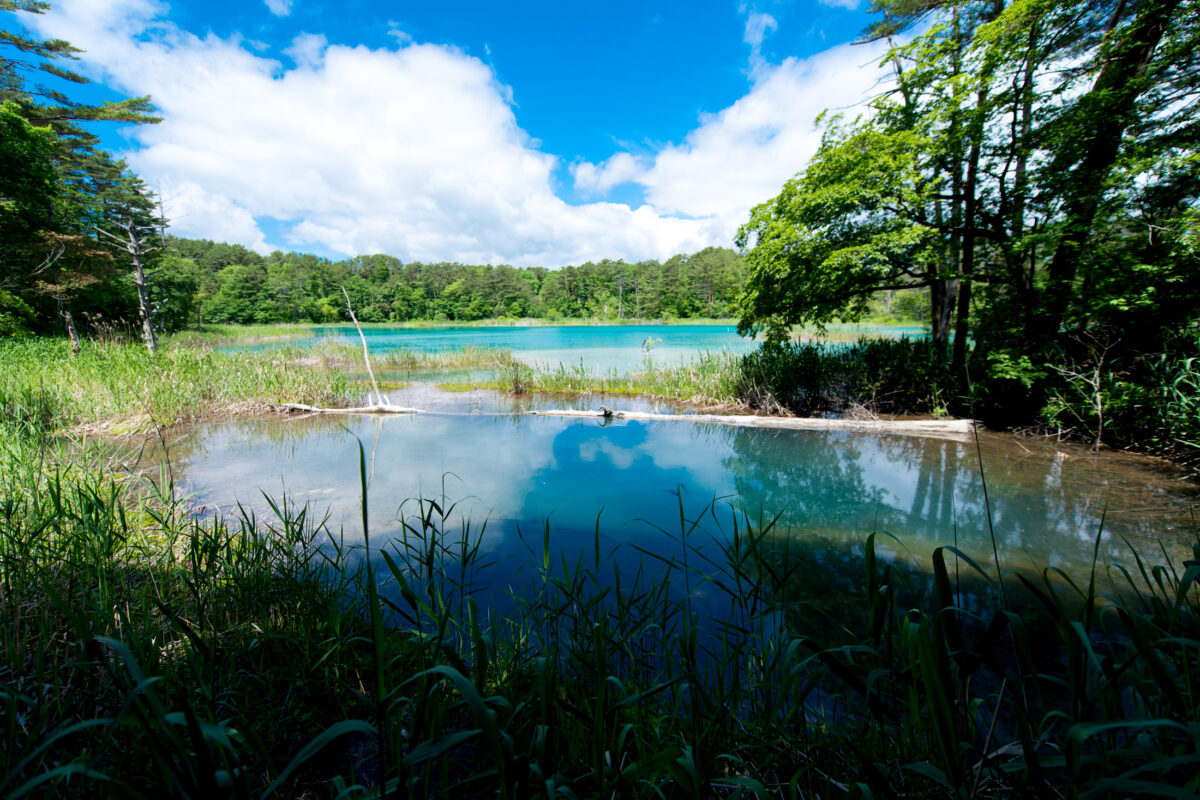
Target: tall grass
pixel 711 379
pixel 122 386
pixel 233 334
pixel 335 351
pixel 805 378
pixel 147 652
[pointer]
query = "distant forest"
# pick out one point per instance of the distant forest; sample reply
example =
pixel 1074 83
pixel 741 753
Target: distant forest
pixel 221 283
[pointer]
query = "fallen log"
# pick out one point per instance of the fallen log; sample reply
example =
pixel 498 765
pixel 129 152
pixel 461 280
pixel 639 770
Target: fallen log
pixel 913 427
pixel 380 408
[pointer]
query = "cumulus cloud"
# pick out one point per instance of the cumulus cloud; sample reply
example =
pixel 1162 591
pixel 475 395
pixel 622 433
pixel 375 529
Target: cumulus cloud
pixel 593 179
pixel 758 25
pixel 416 151
pixel 307 49
pixel 743 154
pixel 280 8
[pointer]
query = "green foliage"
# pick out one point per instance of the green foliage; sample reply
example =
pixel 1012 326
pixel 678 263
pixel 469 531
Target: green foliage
pixel 878 375
pixel 1034 169
pixel 832 238
pixel 16 317
pixel 56 186
pixel 27 180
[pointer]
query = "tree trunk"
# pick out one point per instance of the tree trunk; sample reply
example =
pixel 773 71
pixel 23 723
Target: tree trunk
pixel 72 334
pixel 139 280
pixel 1108 109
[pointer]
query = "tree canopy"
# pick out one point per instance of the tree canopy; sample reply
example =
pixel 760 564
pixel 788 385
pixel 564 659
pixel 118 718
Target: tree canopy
pixel 1032 166
pixel 57 185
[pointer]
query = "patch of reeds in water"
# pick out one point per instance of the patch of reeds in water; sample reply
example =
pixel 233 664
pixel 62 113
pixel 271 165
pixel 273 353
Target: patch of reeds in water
pixel 145 652
pixel 709 379
pixel 341 352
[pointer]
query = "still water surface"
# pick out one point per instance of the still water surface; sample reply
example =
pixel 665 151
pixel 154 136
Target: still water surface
pixel 598 347
pixel 625 479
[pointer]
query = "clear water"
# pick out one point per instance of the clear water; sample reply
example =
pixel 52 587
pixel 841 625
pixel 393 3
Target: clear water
pixel 600 348
pixel 625 481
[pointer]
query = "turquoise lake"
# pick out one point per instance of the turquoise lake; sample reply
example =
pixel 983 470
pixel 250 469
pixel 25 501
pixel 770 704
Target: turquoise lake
pixel 598 347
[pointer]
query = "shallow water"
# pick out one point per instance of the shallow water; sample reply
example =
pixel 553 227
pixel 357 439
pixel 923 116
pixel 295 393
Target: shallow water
pixel 601 348
pixel 627 483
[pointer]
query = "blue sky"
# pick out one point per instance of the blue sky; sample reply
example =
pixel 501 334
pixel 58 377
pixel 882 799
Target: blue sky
pixel 525 133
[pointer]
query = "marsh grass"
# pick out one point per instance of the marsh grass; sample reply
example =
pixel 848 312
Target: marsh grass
pixel 234 334
pixel 334 351
pixel 807 378
pixel 881 375
pixel 709 379
pixel 122 387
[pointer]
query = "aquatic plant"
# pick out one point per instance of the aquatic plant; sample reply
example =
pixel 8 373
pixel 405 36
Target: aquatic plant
pixel 709 379
pixel 147 651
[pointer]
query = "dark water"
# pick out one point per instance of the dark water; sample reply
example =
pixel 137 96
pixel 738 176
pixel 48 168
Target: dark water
pixel 629 482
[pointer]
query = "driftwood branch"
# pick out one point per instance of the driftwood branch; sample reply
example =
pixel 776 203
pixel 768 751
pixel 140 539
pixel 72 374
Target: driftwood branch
pixel 383 408
pixel 366 353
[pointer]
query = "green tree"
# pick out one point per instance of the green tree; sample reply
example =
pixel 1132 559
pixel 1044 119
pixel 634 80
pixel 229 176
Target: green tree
pixel 1028 154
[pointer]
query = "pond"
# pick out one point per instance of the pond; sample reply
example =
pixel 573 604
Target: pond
pixel 598 347
pixel 625 484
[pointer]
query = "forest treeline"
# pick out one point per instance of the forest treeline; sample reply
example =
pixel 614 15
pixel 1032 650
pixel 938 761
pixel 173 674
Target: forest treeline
pixel 221 283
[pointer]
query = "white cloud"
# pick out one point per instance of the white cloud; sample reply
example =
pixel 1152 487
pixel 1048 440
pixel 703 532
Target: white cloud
pixel 280 8
pixel 743 154
pixel 307 49
pixel 401 36
pixel 190 208
pixel 417 151
pixel 849 5
pixel 595 179
pixel 758 25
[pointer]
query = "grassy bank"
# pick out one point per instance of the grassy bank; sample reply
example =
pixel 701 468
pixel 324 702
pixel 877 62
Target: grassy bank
pixel 333 351
pixel 119 386
pixel 145 652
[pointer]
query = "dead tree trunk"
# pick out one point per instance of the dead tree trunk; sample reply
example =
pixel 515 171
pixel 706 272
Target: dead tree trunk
pixel 69 322
pixel 134 243
pixel 379 398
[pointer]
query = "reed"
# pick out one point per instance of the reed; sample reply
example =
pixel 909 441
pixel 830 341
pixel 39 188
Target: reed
pixel 123 388
pixel 709 379
pixel 238 334
pixel 333 351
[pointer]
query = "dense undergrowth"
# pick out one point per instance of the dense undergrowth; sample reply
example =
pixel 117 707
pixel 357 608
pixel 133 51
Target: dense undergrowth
pixel 145 652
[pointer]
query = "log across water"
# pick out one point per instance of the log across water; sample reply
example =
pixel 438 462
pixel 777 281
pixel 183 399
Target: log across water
pixel 915 427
